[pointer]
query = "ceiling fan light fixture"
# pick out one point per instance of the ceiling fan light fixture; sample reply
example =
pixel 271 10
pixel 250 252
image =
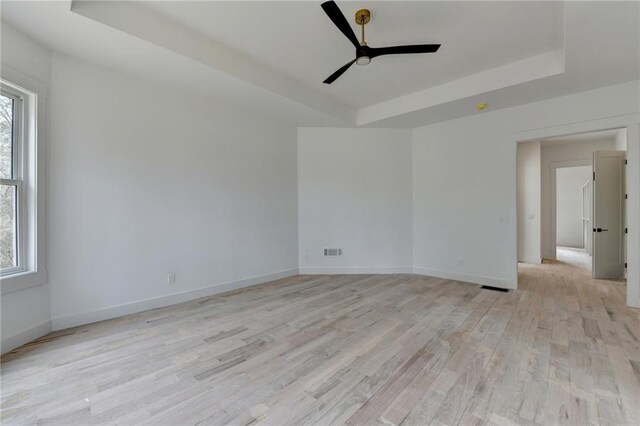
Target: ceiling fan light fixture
pixel 364 53
pixel 363 60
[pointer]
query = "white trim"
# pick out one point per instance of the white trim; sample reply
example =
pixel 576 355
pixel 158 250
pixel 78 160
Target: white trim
pixel 35 262
pixel 23 281
pixel 348 270
pixel 26 336
pixel 570 245
pixel 473 279
pixel 632 213
pixel 534 260
pixel 82 318
pixel 576 128
pixel 523 71
pixel 19 175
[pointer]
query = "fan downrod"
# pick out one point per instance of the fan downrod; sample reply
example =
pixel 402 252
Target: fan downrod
pixel 363 16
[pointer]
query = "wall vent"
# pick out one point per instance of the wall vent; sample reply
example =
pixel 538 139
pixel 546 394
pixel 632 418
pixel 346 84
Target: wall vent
pixel 333 252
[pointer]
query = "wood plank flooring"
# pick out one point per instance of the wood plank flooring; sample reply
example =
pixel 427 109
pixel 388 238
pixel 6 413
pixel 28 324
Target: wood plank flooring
pixel 355 350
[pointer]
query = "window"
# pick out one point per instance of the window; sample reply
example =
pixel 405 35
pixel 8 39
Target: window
pixel 14 230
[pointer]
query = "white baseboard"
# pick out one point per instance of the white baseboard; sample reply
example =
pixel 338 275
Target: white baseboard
pixel 11 342
pixel 474 279
pixel 82 318
pixel 458 276
pixel 570 245
pixel 534 260
pixel 73 320
pixel 355 270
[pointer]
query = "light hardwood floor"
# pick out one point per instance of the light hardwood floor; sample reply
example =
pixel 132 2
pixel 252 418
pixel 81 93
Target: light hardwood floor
pixel 387 349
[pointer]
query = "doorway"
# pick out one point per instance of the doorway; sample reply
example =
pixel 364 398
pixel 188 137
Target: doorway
pixel 573 215
pixel 556 202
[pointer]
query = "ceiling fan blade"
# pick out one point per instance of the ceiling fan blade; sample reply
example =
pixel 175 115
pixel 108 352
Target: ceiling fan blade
pixel 399 50
pixel 333 12
pixel 338 73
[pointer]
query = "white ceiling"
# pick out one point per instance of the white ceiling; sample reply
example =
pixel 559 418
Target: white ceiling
pixel 297 38
pixel 272 56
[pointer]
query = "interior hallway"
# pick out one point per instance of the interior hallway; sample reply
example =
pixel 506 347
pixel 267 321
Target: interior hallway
pixel 576 257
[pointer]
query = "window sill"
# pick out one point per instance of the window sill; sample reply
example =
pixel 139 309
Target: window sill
pixel 22 281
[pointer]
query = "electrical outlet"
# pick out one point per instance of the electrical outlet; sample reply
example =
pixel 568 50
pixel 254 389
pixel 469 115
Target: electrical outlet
pixel 171 277
pixel 461 262
pixel 333 252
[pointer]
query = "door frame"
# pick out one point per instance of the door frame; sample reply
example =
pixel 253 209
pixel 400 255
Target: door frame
pixel 630 122
pixel 587 233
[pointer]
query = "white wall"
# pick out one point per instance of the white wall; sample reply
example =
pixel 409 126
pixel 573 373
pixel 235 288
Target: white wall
pixel 621 140
pixel 464 181
pixel 464 201
pixel 555 155
pixel 528 181
pixel 354 193
pixel 145 180
pixel 25 313
pixel 569 183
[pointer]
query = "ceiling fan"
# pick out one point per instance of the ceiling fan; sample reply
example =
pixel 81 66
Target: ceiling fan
pixel 364 53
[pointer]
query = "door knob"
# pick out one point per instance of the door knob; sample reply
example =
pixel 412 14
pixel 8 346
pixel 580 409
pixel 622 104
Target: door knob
pixel 600 229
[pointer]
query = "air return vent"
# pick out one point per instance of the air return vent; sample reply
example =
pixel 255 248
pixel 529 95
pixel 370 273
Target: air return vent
pixel 488 287
pixel 333 252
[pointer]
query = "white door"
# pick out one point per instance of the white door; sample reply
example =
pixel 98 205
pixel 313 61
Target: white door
pixel 608 214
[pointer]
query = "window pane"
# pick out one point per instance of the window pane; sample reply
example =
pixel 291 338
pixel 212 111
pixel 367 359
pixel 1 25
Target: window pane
pixel 6 137
pixel 8 226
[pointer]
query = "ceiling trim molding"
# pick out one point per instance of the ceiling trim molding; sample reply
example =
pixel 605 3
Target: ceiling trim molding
pixel 149 25
pixel 523 71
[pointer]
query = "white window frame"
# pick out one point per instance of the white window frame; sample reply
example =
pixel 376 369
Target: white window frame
pixel 17 180
pixel 28 148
